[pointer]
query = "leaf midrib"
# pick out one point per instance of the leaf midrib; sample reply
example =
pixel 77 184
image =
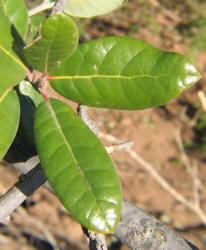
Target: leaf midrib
pixel 13 57
pixel 118 76
pixel 48 52
pixel 5 95
pixel 53 114
pixel 4 8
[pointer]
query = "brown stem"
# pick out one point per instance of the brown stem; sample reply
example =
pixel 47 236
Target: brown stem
pixel 59 6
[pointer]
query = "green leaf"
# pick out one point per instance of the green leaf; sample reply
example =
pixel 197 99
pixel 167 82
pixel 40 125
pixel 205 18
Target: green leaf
pixel 58 40
pixel 91 8
pixel 27 89
pixel 123 73
pixel 29 99
pixel 77 167
pixel 16 11
pixel 34 26
pixel 12 70
pixel 9 113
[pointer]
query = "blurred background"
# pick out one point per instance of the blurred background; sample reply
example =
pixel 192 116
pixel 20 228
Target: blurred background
pixel 172 138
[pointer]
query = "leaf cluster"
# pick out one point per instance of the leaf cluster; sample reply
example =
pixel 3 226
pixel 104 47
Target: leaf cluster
pixel 114 72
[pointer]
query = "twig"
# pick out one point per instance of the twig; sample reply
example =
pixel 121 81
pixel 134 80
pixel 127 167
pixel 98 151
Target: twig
pixel 196 184
pixel 118 147
pixel 46 89
pixel 202 98
pixel 135 225
pixel 59 6
pixel 160 179
pixel 45 5
pixel 192 169
pixel 182 151
pixel 26 185
pixel 193 122
pixel 82 112
pixel 25 167
pixel 186 161
pixel 94 240
pixel 39 225
pixel 141 231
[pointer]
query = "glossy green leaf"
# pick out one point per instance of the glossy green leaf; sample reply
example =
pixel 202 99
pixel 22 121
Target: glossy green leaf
pixel 91 8
pixel 123 73
pixel 58 40
pixel 12 70
pixel 29 99
pixel 16 11
pixel 77 167
pixel 9 113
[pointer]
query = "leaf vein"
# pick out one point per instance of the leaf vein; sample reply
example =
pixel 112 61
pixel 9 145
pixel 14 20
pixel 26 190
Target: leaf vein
pixel 13 58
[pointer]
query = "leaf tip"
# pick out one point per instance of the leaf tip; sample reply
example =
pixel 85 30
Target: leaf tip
pixel 191 77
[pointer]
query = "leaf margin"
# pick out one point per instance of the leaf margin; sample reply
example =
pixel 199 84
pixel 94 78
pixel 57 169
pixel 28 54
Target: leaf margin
pixel 58 179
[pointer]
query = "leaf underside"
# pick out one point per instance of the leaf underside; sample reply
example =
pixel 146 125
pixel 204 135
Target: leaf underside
pixel 123 73
pixel 9 113
pixel 58 40
pixel 91 8
pixel 77 167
